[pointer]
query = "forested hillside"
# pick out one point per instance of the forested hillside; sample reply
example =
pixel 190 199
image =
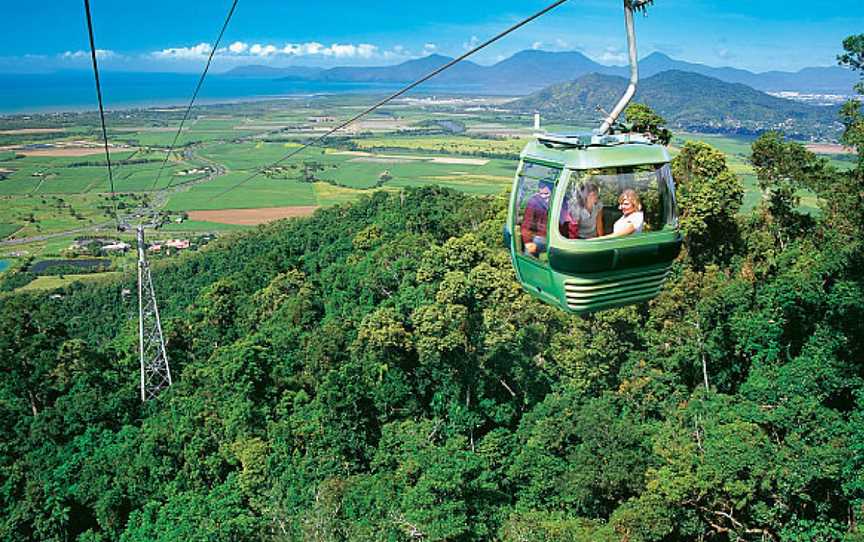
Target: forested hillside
pixel 376 373
pixel 687 100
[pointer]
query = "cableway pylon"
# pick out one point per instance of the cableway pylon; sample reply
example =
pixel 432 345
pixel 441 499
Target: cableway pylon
pixel 155 372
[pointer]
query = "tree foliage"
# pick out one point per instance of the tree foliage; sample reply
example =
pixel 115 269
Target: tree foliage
pixel 376 373
pixel 853 56
pixel 850 114
pixel 710 196
pixel 643 119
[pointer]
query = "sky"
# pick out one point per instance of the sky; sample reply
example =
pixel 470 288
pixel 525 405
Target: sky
pixel 175 35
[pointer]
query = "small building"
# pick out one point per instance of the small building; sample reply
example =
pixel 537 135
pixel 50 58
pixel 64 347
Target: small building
pixel 85 242
pixel 116 247
pixel 179 244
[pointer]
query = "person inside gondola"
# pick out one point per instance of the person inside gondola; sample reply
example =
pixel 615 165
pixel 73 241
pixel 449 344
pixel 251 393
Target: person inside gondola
pixel 535 221
pixel 632 219
pixel 588 212
pixel 567 224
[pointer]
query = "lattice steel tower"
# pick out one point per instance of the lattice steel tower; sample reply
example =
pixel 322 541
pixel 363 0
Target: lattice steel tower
pixel 155 373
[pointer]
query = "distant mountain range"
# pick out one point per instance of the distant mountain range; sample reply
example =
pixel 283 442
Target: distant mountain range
pixel 529 71
pixel 687 100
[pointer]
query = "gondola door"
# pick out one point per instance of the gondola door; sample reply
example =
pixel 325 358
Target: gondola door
pixel 532 221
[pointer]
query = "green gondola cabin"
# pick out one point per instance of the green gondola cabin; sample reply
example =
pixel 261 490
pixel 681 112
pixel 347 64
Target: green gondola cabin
pixel 592 221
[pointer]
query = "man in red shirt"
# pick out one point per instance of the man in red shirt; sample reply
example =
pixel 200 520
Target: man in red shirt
pixel 536 219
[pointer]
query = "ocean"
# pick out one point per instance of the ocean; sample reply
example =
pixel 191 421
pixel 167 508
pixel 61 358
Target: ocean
pixel 76 91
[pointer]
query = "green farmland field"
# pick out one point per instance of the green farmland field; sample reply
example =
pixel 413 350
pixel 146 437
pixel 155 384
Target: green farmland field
pixel 8 229
pixel 45 214
pixel 57 282
pixel 200 227
pixel 236 156
pixel 259 192
pixel 222 146
pixel 457 145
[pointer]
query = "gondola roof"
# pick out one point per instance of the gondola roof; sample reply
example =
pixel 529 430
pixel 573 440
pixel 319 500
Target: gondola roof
pixel 589 151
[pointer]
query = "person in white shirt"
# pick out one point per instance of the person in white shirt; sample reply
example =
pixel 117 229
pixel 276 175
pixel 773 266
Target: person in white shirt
pixel 633 219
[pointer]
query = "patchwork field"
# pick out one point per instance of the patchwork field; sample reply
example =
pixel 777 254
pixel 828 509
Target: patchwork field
pixel 826 148
pixel 61 151
pixel 54 283
pixel 228 170
pixel 8 229
pixel 251 217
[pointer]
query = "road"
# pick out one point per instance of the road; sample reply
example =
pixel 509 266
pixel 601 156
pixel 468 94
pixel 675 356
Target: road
pixel 45 237
pixel 160 199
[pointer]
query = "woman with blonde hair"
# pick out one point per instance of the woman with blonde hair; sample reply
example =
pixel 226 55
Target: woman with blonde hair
pixel 632 218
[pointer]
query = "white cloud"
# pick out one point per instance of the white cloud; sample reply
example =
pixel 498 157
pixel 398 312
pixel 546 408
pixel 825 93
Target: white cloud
pixel 472 43
pixel 614 55
pixel 238 47
pixel 264 50
pixel 313 48
pixel 268 50
pixel 429 48
pixel 302 49
pixel 537 45
pixel 341 50
pixel 198 51
pixel 239 52
pixel 366 50
pixel 100 54
pixel 561 45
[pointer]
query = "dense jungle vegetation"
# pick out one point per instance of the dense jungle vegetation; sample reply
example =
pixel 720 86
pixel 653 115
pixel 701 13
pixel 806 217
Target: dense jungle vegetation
pixel 376 373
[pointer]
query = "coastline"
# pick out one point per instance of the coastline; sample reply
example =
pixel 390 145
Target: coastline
pixel 74 92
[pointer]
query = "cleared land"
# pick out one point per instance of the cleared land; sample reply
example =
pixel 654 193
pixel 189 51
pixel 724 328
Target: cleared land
pixel 381 160
pixel 56 180
pixel 462 161
pixel 829 148
pixel 252 217
pixel 60 151
pixel 31 131
pixel 55 282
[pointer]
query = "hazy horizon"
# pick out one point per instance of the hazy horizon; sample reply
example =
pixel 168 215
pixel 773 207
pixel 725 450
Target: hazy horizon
pixel 395 62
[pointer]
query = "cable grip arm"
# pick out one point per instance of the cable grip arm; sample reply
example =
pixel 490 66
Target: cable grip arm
pixel 630 6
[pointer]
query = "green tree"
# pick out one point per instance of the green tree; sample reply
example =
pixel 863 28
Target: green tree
pixel 375 372
pixel 643 119
pixel 783 170
pixel 710 196
pixel 851 115
pixel 853 57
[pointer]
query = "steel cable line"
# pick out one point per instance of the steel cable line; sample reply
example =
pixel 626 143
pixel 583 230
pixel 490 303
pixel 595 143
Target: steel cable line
pixel 416 83
pixel 101 110
pixel 195 94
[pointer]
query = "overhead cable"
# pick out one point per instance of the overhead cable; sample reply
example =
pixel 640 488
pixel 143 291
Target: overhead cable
pixel 195 94
pixel 395 95
pixel 101 110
